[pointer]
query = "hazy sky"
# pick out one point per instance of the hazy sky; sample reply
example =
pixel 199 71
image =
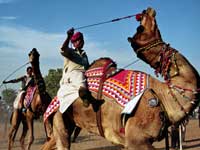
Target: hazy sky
pixel 25 24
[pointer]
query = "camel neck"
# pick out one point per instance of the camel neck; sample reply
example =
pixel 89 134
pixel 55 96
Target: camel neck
pixel 38 77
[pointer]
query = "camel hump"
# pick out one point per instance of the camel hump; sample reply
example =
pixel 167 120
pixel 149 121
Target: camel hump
pixel 101 67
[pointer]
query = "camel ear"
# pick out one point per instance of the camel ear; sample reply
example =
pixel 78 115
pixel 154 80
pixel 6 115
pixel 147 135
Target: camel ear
pixel 129 39
pixel 151 12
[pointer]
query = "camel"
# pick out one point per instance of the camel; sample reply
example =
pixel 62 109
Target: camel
pixel 181 79
pixel 41 100
pixel 161 104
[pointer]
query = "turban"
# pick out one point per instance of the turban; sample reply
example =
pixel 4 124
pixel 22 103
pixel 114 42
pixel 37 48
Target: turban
pixel 77 36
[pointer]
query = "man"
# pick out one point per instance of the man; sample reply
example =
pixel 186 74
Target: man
pixel 75 64
pixel 25 80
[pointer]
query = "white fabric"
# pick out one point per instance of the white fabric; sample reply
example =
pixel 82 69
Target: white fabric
pixel 131 104
pixel 69 86
pixel 17 100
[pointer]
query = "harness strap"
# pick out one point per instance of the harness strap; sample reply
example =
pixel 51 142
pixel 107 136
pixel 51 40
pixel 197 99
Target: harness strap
pixel 99 95
pixel 163 116
pixel 147 47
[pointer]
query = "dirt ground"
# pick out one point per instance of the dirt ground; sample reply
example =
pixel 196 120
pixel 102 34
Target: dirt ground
pixel 89 141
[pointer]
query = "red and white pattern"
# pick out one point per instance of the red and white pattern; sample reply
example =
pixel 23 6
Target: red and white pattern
pixel 53 106
pixel 122 87
pixel 95 72
pixel 29 95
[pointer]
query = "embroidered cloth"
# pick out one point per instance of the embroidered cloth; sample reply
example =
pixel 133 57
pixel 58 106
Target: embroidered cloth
pixel 53 107
pixel 122 87
pixel 29 96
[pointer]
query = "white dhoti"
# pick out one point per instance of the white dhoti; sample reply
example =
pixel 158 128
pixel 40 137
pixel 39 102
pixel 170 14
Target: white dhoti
pixel 16 103
pixel 69 86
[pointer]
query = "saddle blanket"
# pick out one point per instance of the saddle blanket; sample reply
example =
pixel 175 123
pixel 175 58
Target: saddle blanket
pixel 53 107
pixel 29 95
pixel 126 88
pixel 122 87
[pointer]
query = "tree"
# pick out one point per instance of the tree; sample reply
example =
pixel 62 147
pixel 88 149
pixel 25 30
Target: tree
pixel 52 81
pixel 9 95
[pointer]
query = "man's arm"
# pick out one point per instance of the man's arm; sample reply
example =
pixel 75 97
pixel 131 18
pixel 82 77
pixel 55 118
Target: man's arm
pixel 15 80
pixel 65 50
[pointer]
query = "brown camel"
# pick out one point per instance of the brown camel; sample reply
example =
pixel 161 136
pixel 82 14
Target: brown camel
pixel 41 100
pixel 181 86
pixel 176 97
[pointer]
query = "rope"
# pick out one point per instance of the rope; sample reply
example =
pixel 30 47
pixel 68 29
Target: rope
pixel 131 63
pixel 100 23
pixel 14 72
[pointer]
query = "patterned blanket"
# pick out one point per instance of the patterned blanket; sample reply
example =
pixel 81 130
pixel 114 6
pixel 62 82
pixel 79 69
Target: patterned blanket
pixel 29 96
pixel 122 87
pixel 53 107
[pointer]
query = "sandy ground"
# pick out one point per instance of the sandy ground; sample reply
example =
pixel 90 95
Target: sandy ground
pixel 88 141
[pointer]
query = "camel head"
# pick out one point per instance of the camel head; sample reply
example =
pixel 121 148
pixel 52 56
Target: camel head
pixel 147 31
pixel 34 56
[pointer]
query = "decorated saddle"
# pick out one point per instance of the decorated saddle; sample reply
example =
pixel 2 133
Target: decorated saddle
pixel 53 107
pixel 29 95
pixel 122 87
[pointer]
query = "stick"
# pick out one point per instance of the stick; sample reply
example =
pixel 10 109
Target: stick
pixel 113 20
pixel 180 138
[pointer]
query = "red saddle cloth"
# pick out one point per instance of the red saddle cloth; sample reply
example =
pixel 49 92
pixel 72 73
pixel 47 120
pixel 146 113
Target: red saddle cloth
pixel 122 87
pixel 29 95
pixel 53 106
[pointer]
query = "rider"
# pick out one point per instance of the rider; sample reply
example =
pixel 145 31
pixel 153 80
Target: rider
pixel 75 63
pixel 25 80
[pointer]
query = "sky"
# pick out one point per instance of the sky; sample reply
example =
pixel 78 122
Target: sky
pixel 25 24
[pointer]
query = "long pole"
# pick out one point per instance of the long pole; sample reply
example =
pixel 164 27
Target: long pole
pixel 14 72
pixel 100 23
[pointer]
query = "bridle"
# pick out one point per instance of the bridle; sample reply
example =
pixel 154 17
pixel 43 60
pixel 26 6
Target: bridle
pixel 149 46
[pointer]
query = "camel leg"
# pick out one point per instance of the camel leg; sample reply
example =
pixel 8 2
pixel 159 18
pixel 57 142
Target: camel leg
pixel 77 130
pixel 135 140
pixel 50 144
pixel 30 128
pixel 60 132
pixel 48 129
pixel 24 133
pixel 144 126
pixel 15 122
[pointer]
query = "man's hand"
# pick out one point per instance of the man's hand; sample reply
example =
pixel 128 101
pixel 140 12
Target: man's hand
pixel 70 32
pixel 4 82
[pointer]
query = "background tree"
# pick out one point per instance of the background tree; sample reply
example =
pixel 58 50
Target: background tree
pixel 9 95
pixel 52 81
